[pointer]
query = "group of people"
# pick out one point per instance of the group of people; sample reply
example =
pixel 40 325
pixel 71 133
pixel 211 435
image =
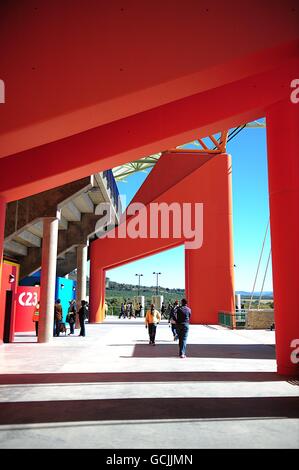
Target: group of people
pixel 128 311
pixel 70 318
pixel 179 319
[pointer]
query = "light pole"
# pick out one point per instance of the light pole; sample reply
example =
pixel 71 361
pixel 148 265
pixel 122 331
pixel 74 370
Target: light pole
pixel 139 276
pixel 157 287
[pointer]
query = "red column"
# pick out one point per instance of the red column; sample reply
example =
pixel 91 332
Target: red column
pixel 210 269
pixel 283 168
pixel 2 223
pixel 97 286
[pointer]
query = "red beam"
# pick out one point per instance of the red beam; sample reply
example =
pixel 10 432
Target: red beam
pixel 164 127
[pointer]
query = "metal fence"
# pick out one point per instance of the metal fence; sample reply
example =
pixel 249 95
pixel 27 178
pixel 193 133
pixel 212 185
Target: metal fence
pixel 232 320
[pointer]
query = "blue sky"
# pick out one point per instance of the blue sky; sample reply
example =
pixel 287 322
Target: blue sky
pixel 250 218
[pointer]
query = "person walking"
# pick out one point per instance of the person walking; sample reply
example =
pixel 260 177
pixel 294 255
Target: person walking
pixel 173 318
pixel 128 309
pixel 82 316
pixel 140 309
pixel 137 310
pixel 183 315
pixel 35 317
pixel 57 316
pixel 163 311
pixel 152 319
pixel 71 316
pixel 122 311
pixel 131 311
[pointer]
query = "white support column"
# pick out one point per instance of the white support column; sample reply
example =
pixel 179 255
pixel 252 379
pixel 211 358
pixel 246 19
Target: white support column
pixel 48 279
pixel 81 276
pixel 81 272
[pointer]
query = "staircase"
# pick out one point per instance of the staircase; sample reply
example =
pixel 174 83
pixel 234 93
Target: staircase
pixel 76 203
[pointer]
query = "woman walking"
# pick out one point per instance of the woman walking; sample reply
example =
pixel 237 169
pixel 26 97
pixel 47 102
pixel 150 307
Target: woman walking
pixel 71 316
pixel 152 319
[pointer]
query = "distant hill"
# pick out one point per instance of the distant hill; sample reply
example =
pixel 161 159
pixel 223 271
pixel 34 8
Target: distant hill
pixel 116 292
pixel 125 289
pixel 245 294
pixel 112 285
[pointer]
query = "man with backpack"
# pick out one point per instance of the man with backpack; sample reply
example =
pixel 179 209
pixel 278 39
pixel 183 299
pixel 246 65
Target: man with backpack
pixel 183 315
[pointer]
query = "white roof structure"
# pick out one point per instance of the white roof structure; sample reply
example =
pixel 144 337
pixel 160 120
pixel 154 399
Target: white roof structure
pixel 143 164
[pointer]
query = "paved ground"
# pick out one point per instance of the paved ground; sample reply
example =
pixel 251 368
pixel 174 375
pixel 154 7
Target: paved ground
pixel 113 390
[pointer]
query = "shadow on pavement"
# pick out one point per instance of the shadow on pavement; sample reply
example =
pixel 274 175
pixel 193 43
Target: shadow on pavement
pixel 231 351
pixel 98 377
pixel 147 409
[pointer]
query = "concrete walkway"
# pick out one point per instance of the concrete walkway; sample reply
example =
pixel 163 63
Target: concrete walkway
pixel 113 390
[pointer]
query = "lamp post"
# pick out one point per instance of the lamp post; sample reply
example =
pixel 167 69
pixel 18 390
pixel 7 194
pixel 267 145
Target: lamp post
pixel 139 276
pixel 157 287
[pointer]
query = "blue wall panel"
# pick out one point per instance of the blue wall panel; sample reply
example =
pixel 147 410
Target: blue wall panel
pixel 65 292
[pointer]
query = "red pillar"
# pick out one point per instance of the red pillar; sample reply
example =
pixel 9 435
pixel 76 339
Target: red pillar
pixel 210 269
pixel 2 224
pixel 97 285
pixel 283 168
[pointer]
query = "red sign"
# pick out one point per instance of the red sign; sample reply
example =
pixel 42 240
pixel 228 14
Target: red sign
pixel 26 301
